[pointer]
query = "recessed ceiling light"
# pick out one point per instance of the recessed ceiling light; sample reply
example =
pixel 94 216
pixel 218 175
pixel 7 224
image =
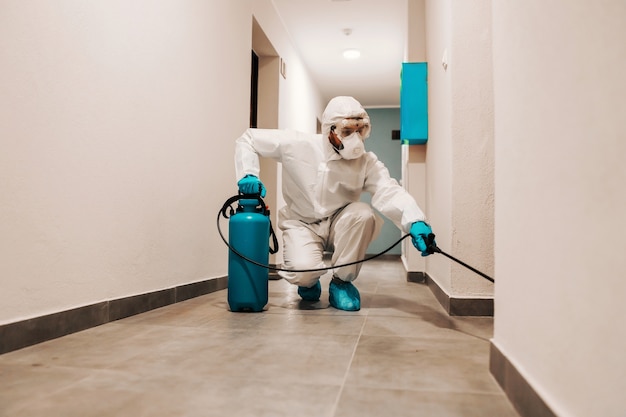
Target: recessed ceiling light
pixel 351 53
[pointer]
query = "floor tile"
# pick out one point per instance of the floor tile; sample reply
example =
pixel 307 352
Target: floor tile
pixel 444 364
pixel 373 402
pixel 95 348
pixel 21 385
pixel 400 355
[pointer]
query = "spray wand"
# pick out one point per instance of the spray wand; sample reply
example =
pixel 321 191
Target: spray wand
pixel 431 247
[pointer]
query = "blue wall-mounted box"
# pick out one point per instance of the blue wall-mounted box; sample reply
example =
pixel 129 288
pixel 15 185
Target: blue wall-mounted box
pixel 414 103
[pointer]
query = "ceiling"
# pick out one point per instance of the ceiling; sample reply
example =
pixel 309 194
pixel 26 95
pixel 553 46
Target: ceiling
pixel 377 28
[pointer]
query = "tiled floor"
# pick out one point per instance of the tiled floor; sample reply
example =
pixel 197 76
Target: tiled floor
pixel 401 355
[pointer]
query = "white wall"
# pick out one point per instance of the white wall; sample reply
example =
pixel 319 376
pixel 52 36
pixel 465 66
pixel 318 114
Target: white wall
pixel 117 122
pixel 300 100
pixel 561 205
pixel 473 144
pixel 459 157
pixel 414 156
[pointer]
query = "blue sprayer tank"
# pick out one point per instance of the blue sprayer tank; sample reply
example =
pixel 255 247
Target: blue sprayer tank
pixel 248 231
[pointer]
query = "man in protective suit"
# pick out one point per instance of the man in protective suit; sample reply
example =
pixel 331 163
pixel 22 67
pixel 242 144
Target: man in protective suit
pixel 323 178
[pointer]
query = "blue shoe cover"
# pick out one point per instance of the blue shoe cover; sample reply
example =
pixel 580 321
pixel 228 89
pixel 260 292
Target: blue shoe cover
pixel 311 294
pixel 344 296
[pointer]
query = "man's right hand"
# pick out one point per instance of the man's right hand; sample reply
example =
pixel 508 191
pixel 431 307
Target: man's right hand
pixel 419 234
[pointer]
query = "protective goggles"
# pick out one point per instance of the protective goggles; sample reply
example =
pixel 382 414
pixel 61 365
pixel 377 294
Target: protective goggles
pixel 346 127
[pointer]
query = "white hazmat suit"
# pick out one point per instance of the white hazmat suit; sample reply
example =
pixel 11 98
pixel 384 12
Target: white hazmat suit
pixel 322 190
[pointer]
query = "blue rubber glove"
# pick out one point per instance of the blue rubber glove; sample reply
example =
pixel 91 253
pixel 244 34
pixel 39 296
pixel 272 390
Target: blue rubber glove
pixel 250 184
pixel 419 235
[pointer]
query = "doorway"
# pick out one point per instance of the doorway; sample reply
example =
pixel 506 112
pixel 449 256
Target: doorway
pixel 264 85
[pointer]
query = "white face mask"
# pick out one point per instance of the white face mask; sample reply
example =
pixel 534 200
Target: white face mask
pixel 353 147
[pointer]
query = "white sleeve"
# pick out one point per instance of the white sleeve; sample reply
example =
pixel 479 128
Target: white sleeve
pixel 254 143
pixel 393 201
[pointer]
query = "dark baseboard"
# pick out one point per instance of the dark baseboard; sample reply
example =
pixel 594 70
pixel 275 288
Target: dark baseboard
pixel 273 274
pixel 29 332
pixel 419 277
pixel 521 395
pixel 454 306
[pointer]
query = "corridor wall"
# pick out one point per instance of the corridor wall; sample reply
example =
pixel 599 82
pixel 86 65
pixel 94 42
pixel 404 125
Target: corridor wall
pixel 117 129
pixel 559 221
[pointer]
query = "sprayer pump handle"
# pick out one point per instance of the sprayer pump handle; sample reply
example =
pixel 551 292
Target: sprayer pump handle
pixel 431 246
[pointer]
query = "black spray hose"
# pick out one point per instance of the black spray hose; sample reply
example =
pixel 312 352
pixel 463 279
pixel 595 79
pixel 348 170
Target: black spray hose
pixel 273 268
pixel 430 245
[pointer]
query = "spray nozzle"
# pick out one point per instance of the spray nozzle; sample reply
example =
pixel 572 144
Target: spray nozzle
pixel 431 246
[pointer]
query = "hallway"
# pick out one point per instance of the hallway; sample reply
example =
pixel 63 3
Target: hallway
pixel 401 355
